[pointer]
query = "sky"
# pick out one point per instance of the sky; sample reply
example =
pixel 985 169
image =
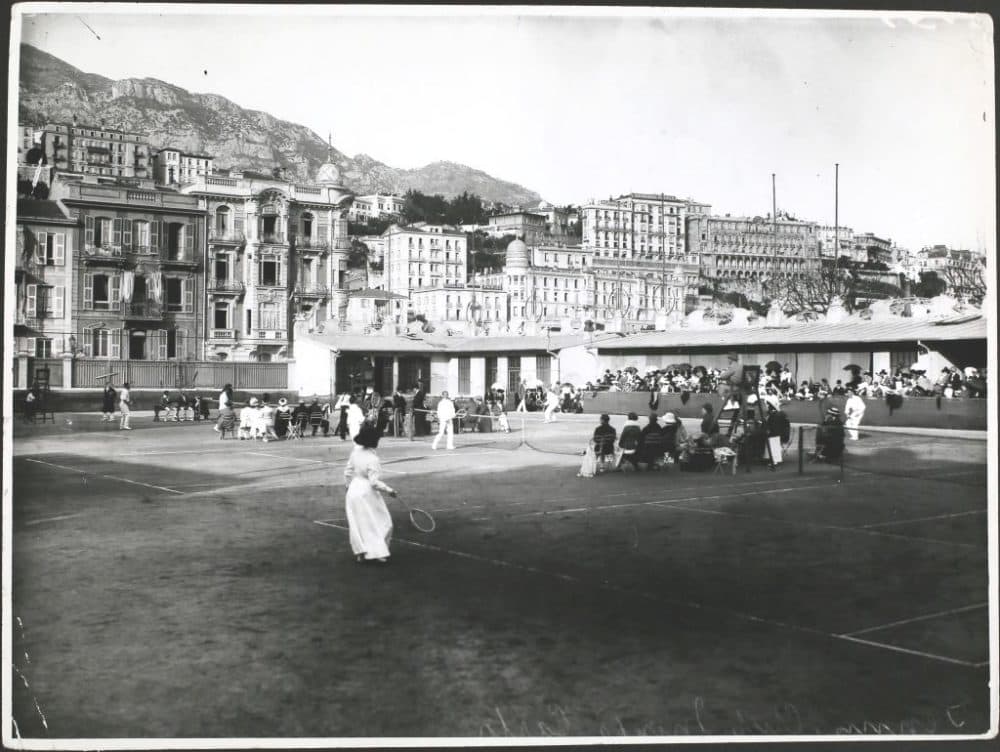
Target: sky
pixel 579 104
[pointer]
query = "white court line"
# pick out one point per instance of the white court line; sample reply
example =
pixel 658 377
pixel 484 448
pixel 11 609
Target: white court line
pixel 54 519
pixel 817 526
pixel 665 501
pixel 633 492
pixel 109 477
pixel 670 601
pixel 909 651
pixel 901 622
pixel 319 462
pixel 923 519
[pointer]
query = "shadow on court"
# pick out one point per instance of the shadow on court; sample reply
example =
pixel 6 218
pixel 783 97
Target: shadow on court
pixel 636 603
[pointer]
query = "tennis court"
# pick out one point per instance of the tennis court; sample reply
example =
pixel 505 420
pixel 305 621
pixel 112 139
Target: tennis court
pixel 167 583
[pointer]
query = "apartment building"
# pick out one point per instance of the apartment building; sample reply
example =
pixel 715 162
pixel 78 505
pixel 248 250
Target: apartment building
pixel 425 256
pixel 478 304
pixel 137 270
pixel 87 150
pixel 749 249
pixel 375 206
pixel 639 225
pixel 175 167
pixel 277 253
pixel 43 280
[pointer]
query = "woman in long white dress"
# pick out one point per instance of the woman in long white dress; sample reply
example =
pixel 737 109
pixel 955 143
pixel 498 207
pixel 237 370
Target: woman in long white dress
pixel 368 519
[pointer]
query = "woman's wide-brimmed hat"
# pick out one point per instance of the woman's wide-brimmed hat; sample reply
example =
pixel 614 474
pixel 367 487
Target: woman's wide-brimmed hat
pixel 253 402
pixel 282 402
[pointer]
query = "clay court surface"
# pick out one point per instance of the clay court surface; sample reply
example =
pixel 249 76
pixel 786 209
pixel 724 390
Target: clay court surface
pixel 169 584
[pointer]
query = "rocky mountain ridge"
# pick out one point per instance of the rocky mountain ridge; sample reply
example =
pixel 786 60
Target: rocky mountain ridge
pixel 52 90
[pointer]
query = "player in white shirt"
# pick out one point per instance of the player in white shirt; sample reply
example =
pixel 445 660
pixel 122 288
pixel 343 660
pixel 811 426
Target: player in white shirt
pixel 445 415
pixel 854 411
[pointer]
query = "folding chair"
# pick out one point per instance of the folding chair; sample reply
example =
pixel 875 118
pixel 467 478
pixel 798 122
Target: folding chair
pixel 724 456
pixel 296 426
pixel 228 425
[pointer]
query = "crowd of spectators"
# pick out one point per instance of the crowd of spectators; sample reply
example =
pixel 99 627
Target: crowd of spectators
pixel 777 380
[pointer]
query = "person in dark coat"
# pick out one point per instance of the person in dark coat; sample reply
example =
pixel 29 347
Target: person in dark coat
pixel 165 405
pixel 419 411
pixel 709 427
pixel 300 416
pixel 108 403
pixel 778 427
pixel 317 418
pixel 629 441
pixel 651 443
pixel 398 412
pixel 604 437
pixel 830 436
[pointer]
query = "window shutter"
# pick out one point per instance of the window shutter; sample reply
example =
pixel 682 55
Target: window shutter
pixel 154 236
pixel 238 223
pixel 41 240
pixel 115 343
pixel 189 234
pixel 188 291
pixel 31 346
pixel 115 284
pixel 60 248
pixel 127 233
pixel 32 296
pixel 88 291
pixel 116 232
pixel 59 301
pixel 88 233
pixel 88 342
pixel 161 342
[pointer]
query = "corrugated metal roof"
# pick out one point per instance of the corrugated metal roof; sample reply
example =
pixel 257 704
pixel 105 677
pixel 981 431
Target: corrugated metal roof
pixel 438 341
pixel 809 334
pixel 849 332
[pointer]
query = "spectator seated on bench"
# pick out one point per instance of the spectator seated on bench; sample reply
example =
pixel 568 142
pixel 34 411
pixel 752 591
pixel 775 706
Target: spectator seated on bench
pixel 604 443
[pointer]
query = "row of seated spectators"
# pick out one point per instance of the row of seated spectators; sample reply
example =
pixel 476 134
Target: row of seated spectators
pixel 950 383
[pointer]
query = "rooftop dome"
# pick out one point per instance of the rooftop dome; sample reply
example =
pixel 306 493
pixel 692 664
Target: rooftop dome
pixel 328 173
pixel 517 254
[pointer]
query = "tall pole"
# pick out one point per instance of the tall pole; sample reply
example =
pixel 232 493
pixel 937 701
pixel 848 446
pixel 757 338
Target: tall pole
pixel 836 216
pixel 663 259
pixel 774 221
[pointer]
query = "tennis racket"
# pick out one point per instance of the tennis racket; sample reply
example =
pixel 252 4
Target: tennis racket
pixel 419 518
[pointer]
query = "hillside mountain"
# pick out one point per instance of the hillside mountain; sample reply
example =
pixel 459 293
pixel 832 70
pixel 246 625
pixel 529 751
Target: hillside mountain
pixel 52 90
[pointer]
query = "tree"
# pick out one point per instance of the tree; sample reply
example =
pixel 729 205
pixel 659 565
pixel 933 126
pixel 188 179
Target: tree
pixel 372 226
pixel 814 291
pixel 967 281
pixel 929 286
pixel 359 255
pixel 40 191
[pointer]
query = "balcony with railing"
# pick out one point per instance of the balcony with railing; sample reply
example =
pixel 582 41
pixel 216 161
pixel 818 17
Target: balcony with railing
pixel 272 238
pixel 311 291
pixel 179 259
pixel 311 245
pixel 103 253
pixel 224 334
pixel 143 310
pixel 225 235
pixel 226 286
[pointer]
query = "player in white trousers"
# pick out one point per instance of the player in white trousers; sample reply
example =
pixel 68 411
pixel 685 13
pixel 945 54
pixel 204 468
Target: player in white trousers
pixel 551 403
pixel 854 411
pixel 445 415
